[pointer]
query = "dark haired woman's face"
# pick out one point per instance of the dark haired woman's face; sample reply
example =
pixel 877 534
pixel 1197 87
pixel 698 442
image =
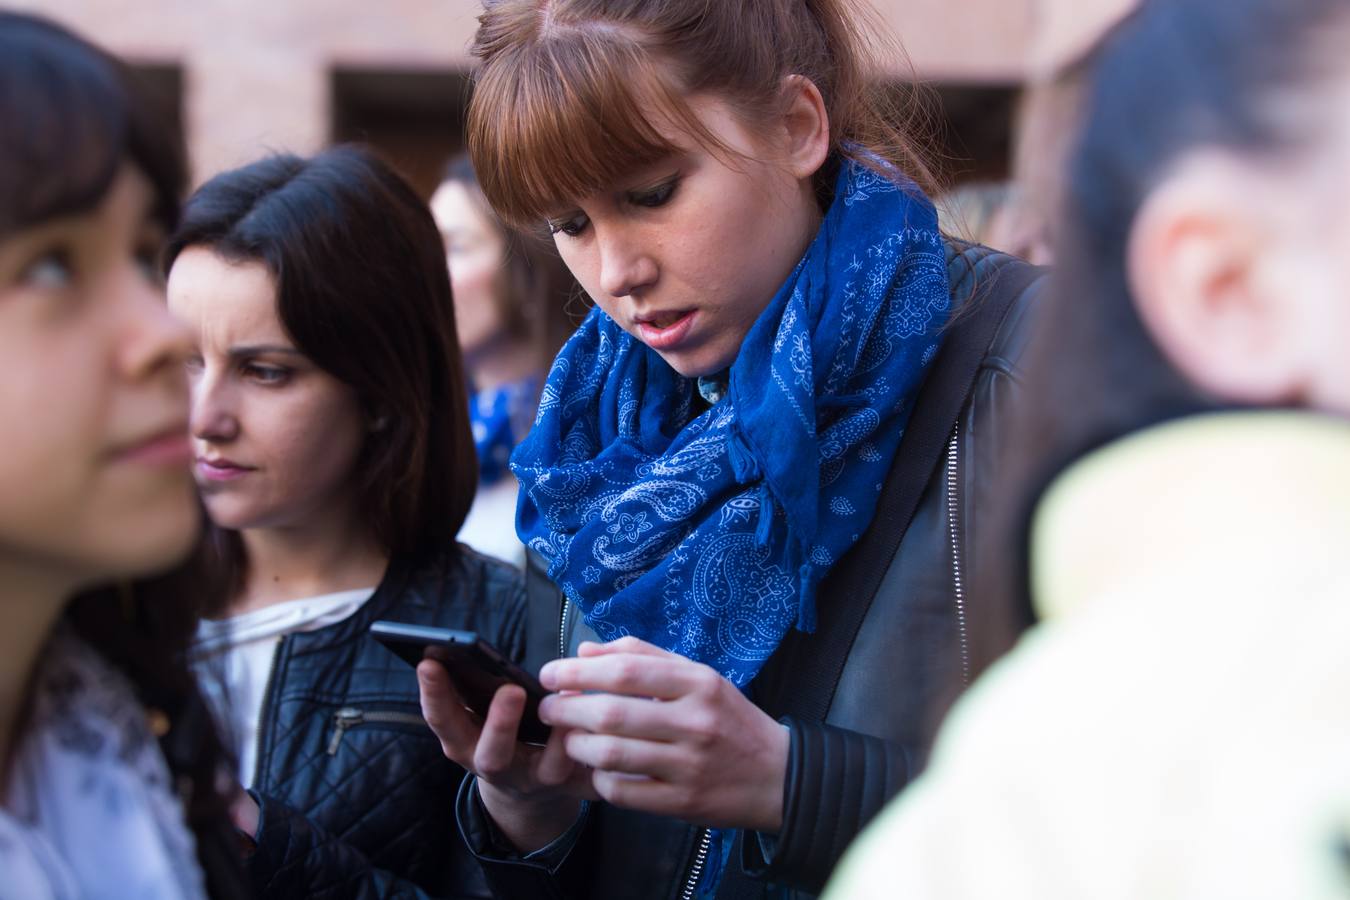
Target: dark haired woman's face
pixel 276 437
pixel 94 478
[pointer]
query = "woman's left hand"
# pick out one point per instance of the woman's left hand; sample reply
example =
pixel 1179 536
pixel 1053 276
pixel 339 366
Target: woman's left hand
pixel 667 735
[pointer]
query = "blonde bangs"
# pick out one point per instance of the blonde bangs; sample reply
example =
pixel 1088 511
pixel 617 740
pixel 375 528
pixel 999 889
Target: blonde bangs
pixel 563 117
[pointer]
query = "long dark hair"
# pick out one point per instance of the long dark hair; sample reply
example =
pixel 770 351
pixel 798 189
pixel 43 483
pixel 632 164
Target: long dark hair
pixel 1178 75
pixel 74 115
pixel 363 290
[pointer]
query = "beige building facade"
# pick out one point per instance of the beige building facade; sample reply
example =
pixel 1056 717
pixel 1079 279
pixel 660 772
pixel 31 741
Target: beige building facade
pixel 249 76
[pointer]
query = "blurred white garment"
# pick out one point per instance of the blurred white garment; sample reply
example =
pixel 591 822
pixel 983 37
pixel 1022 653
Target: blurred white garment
pixel 89 809
pixel 490 526
pixel 1179 727
pixel 233 658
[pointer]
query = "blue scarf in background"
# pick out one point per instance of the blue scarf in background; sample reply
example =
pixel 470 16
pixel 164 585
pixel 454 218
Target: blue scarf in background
pixel 705 531
pixel 496 416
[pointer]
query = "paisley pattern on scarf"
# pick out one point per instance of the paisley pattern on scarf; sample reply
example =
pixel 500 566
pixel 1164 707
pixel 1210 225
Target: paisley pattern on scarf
pixel 706 530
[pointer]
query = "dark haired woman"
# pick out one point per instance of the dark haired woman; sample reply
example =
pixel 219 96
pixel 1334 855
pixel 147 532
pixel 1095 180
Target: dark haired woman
pixel 717 480
pixel 1177 726
pixel 95 491
pixel 334 456
pixel 511 300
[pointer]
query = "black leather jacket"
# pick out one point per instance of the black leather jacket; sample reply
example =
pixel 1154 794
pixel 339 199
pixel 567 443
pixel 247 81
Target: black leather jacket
pixel 354 792
pixel 910 654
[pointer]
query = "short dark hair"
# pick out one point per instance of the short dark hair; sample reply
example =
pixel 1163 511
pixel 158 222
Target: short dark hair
pixel 363 290
pixel 1178 75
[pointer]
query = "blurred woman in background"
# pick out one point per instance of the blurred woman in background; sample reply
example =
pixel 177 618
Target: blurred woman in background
pixel 511 310
pixel 96 497
pixel 1178 726
pixel 334 457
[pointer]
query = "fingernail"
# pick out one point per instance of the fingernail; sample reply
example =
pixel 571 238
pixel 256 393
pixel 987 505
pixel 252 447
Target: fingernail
pixel 548 676
pixel 545 706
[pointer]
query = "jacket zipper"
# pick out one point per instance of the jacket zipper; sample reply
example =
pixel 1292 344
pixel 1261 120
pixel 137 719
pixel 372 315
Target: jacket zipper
pixel 696 867
pixel 265 712
pixel 350 717
pixel 562 631
pixel 953 523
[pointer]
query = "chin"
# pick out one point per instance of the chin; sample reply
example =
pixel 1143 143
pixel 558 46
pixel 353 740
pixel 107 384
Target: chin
pixel 226 512
pixel 695 368
pixel 153 541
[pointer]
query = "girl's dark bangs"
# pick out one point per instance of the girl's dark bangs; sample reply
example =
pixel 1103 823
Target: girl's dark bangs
pixel 74 117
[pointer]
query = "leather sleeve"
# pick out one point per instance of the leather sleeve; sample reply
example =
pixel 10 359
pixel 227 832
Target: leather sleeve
pixel 837 780
pixel 296 858
pixel 555 872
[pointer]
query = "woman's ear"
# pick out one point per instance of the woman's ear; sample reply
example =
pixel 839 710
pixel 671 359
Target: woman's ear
pixel 1198 261
pixel 806 126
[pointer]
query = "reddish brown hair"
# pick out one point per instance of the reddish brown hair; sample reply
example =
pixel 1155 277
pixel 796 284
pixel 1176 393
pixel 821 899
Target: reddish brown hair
pixel 567 90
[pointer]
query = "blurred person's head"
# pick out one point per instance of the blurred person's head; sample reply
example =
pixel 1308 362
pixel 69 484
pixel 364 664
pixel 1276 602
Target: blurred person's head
pixel 510 289
pixel 682 155
pixel 1210 230
pixel 326 379
pixel 96 494
pixel 1206 248
pixel 94 479
pixel 1049 113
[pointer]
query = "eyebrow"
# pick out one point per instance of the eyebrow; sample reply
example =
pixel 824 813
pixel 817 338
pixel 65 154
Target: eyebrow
pixel 244 350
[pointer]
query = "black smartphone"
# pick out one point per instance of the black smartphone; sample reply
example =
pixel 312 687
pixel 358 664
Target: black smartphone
pixel 476 667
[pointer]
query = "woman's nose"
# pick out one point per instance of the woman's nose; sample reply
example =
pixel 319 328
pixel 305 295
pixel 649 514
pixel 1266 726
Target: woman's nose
pixel 213 418
pixel 626 266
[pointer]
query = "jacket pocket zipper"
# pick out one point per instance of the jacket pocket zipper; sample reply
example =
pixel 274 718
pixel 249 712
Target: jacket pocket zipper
pixel 349 717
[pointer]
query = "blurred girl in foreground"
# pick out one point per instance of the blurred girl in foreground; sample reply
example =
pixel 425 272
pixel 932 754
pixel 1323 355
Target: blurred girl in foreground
pixel 95 493
pixel 1178 727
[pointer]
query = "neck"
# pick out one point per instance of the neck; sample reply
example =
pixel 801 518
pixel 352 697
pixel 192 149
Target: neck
pixel 32 602
pixel 332 553
pixel 502 360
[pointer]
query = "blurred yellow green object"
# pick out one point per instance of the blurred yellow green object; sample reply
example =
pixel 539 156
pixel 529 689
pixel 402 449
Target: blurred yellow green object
pixel 1178 726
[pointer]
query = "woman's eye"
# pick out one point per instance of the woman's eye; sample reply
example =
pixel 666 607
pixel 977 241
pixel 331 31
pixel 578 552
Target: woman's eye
pixel 266 374
pixel 147 262
pixel 570 227
pixel 657 196
pixel 50 271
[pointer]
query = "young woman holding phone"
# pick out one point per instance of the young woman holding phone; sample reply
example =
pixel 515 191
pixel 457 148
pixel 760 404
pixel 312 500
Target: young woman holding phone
pixel 773 299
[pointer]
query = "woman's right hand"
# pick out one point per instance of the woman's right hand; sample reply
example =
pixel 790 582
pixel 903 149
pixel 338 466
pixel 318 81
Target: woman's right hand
pixel 532 793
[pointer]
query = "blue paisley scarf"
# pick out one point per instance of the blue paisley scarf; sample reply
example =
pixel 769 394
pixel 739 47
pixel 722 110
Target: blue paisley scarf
pixel 706 530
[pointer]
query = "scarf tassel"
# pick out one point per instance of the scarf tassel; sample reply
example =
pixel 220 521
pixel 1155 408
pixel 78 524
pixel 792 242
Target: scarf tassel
pixel 766 511
pixel 743 463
